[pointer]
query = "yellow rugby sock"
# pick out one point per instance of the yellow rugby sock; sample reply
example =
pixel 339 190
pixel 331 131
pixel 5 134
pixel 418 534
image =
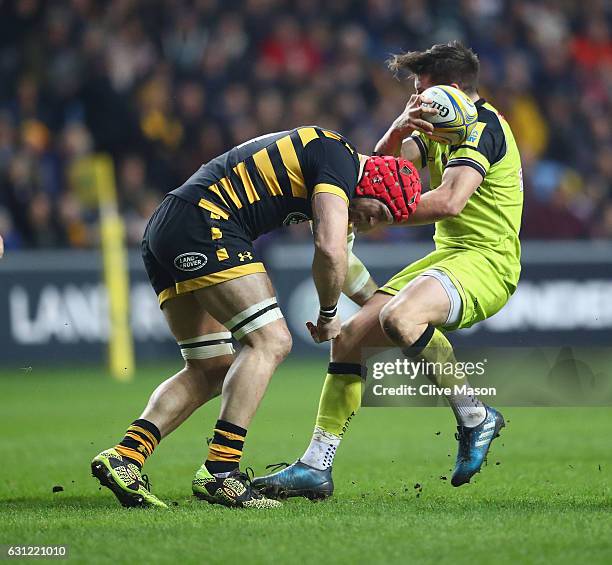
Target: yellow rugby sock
pixel 141 438
pixel 225 449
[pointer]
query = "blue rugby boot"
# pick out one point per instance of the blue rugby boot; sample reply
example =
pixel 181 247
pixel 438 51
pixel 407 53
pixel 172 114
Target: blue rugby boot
pixel 297 479
pixel 474 445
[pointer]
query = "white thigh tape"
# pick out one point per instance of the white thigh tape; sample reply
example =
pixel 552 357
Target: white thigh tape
pixel 238 318
pixel 456 304
pixel 254 317
pixel 207 346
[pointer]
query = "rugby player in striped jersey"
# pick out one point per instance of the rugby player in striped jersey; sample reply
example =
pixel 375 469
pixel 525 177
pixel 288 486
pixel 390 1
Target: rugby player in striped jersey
pixel 213 289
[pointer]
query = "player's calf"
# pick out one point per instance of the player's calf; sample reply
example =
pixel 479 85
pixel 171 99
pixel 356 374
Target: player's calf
pixel 174 400
pixel 120 468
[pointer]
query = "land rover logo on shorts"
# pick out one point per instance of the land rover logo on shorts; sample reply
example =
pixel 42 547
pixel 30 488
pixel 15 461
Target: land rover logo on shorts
pixel 295 218
pixel 191 261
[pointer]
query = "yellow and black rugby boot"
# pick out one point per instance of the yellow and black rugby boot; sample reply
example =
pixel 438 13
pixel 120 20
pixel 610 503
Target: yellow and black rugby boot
pixel 124 479
pixel 234 491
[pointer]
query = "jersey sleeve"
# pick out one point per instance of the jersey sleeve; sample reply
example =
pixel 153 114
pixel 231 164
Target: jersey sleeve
pixel 332 167
pixel 482 149
pixel 422 142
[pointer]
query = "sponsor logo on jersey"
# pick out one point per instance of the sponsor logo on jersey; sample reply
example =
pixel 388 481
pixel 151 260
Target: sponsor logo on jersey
pixel 191 261
pixel 474 137
pixel 245 255
pixel 295 218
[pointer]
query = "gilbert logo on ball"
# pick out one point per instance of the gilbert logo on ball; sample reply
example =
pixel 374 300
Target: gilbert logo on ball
pixel 191 261
pixel 457 115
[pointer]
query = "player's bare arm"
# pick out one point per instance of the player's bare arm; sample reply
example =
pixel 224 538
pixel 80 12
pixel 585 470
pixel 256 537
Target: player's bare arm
pixel 410 150
pixel 409 121
pixel 449 199
pixel 330 265
pixel 358 285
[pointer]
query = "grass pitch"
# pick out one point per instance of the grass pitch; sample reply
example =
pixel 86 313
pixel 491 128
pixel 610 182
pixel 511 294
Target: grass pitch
pixel 545 496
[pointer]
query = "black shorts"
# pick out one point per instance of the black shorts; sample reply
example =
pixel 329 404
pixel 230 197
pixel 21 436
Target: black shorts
pixel 186 247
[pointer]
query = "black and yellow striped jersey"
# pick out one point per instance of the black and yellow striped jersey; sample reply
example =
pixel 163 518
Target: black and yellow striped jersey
pixel 269 181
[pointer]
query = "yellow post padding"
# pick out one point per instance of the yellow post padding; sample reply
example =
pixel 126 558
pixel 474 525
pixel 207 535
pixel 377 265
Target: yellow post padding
pixel 116 274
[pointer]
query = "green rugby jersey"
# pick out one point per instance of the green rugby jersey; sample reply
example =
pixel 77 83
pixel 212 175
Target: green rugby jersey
pixel 491 219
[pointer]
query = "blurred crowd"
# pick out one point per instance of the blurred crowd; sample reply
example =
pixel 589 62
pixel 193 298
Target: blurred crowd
pixel 163 86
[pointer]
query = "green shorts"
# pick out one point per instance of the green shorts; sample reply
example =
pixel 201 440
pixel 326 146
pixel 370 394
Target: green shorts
pixel 483 291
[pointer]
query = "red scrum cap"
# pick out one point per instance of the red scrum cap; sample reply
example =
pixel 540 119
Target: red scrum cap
pixel 394 181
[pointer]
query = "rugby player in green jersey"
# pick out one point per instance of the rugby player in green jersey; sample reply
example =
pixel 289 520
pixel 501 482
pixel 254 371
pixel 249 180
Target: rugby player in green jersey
pixel 213 289
pixel 476 204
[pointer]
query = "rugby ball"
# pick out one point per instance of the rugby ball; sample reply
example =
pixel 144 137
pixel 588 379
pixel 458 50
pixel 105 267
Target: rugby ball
pixel 457 115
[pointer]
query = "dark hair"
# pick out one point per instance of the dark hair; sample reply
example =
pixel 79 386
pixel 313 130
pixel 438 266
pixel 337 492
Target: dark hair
pixel 443 63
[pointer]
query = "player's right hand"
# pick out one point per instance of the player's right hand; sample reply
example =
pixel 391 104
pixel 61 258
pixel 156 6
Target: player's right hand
pixel 411 118
pixel 325 330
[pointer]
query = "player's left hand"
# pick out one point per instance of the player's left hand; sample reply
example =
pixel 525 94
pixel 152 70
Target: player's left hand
pixel 325 330
pixel 413 118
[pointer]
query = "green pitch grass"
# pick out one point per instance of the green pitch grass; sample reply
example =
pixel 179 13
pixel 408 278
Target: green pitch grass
pixel 545 496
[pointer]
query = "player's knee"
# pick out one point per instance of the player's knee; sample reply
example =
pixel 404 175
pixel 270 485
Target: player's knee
pixel 398 325
pixel 274 340
pixel 344 344
pixel 281 344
